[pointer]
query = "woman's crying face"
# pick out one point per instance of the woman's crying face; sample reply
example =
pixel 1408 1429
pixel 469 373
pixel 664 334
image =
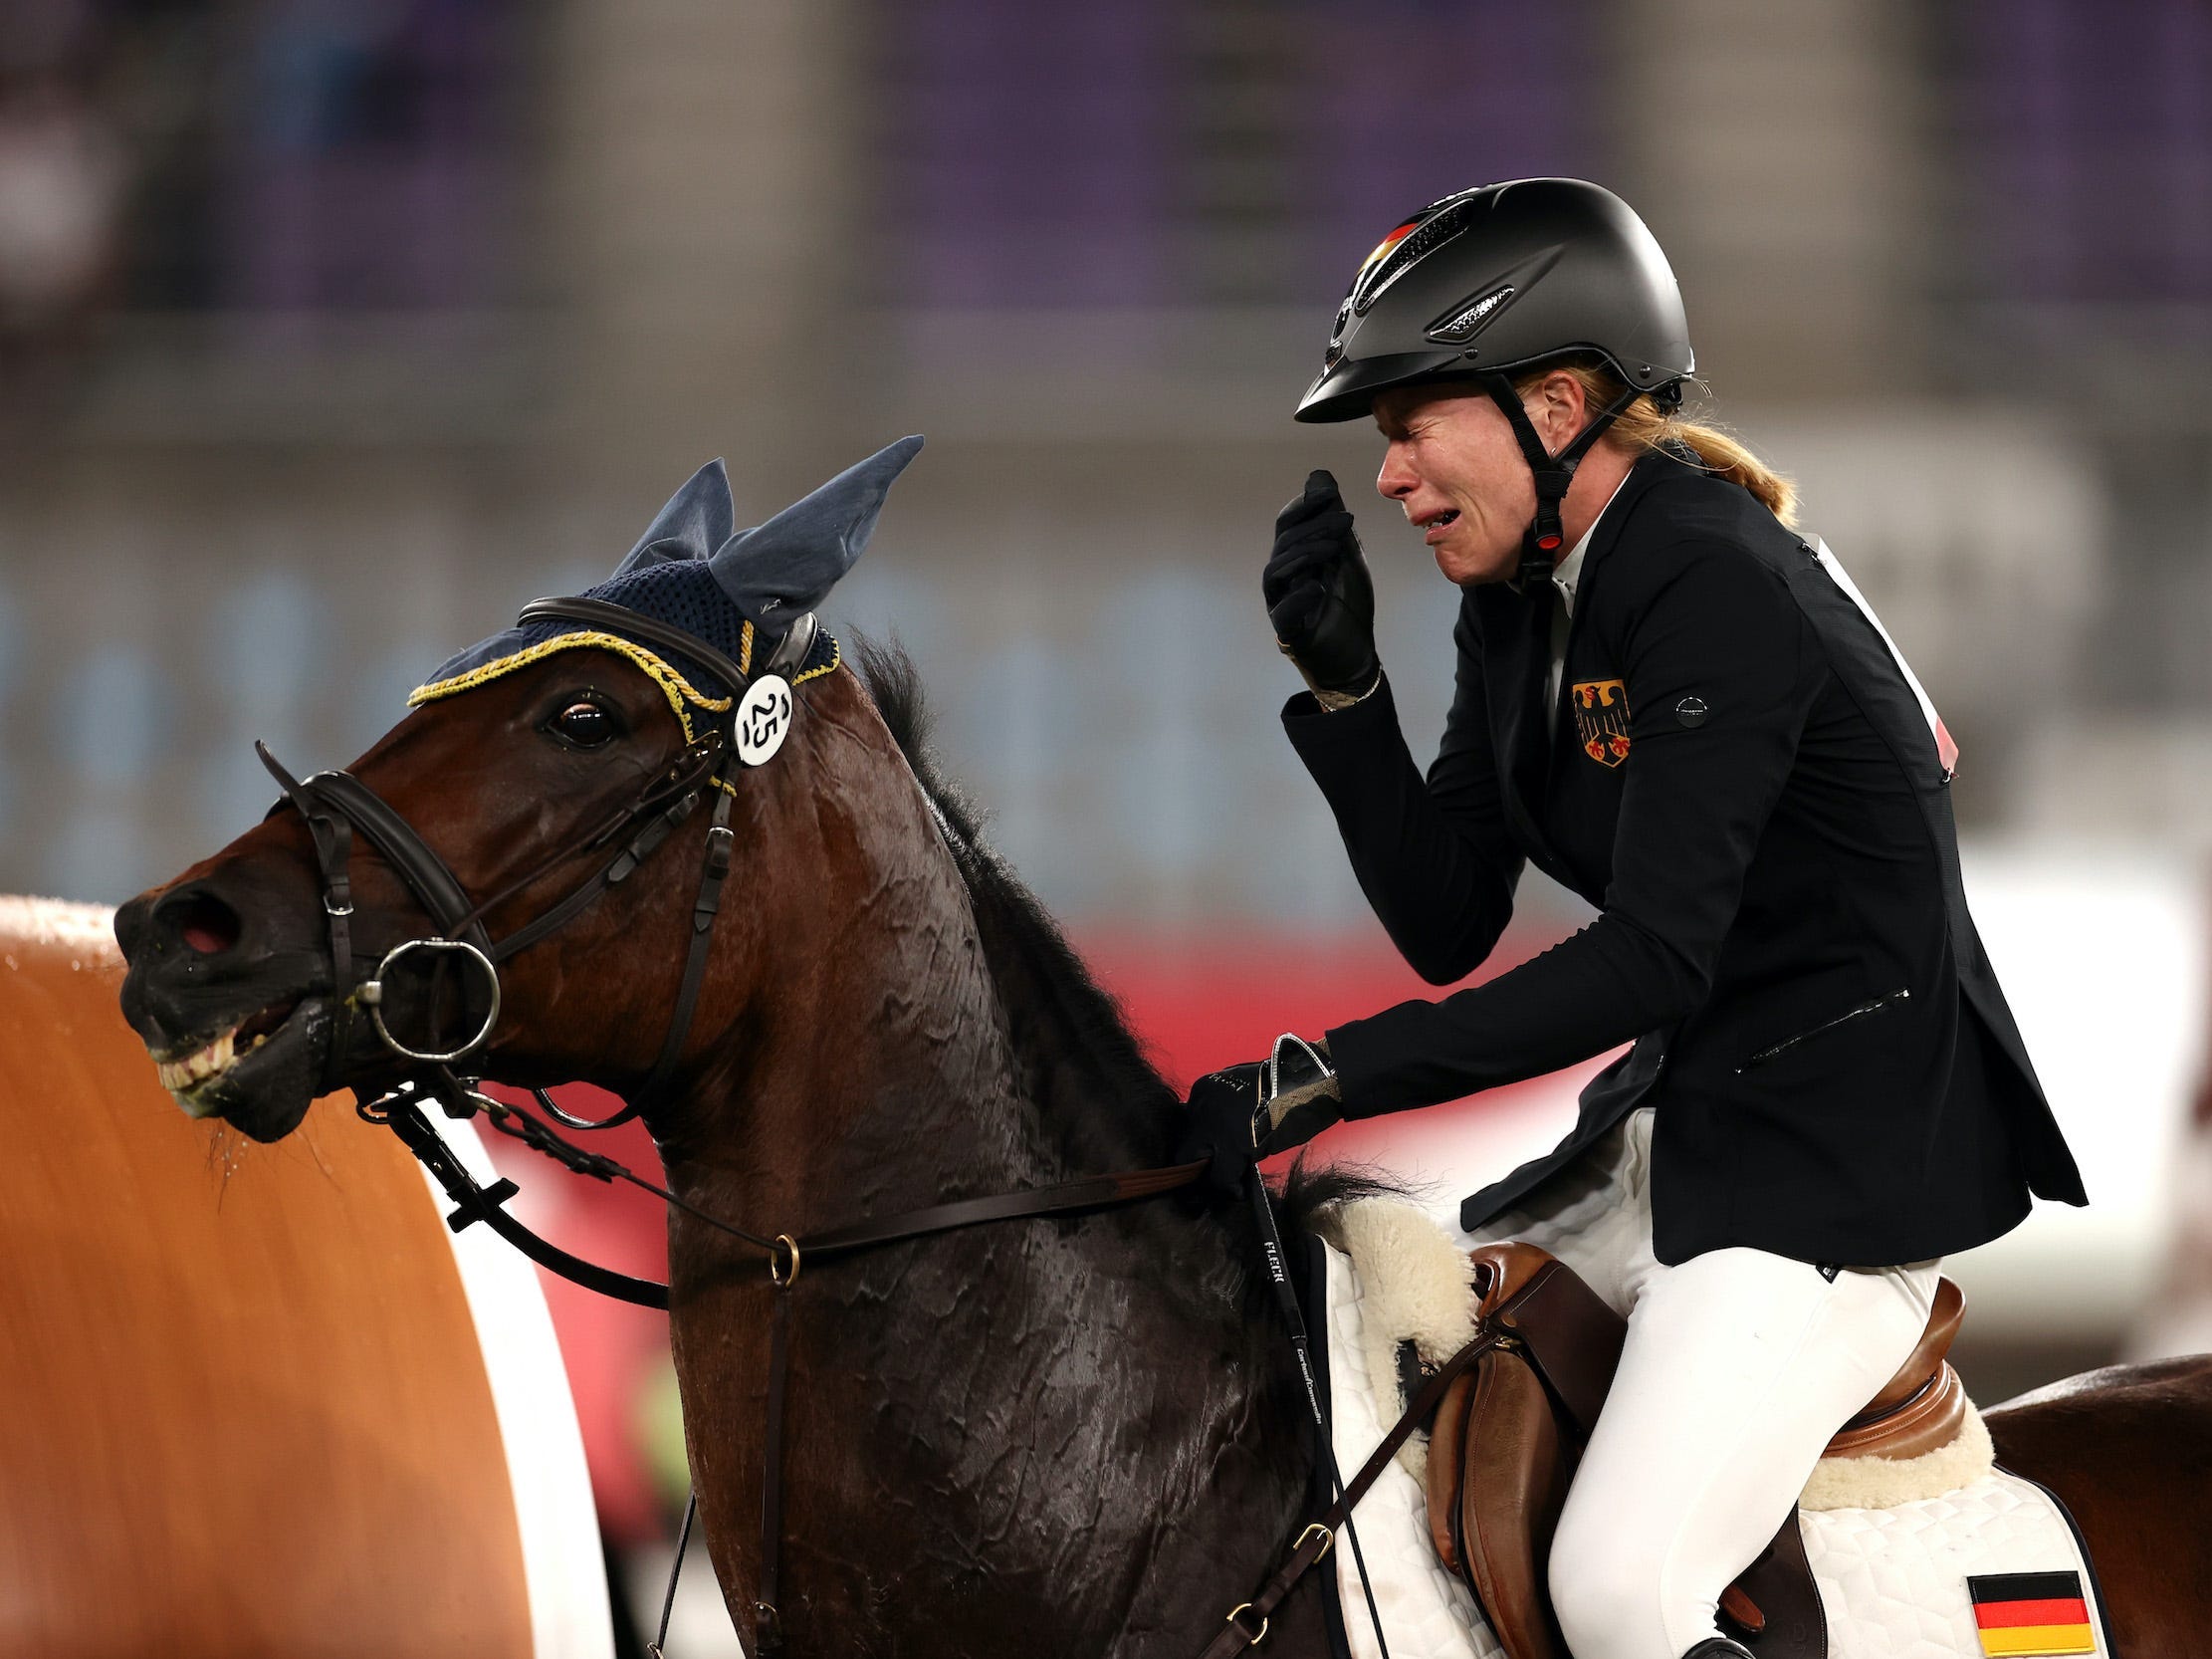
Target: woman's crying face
pixel 1453 466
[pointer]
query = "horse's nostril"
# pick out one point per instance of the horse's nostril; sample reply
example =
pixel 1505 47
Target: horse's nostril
pixel 204 922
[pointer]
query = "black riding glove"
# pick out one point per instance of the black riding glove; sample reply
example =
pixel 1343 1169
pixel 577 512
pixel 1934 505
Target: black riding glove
pixel 1319 596
pixel 1243 1113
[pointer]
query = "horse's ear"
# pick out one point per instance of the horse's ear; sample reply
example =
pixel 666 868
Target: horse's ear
pixel 697 520
pixel 777 573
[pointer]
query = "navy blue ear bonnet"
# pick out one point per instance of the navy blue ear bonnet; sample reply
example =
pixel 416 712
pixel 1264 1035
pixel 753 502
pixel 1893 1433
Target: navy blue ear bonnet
pixel 740 591
pixel 684 596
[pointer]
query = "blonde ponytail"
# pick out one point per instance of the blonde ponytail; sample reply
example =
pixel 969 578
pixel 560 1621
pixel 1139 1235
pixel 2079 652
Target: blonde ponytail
pixel 1644 425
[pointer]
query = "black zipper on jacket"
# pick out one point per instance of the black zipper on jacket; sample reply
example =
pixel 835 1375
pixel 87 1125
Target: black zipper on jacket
pixel 1788 1043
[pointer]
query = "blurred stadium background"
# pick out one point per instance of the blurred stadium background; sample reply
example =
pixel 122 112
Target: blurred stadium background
pixel 333 329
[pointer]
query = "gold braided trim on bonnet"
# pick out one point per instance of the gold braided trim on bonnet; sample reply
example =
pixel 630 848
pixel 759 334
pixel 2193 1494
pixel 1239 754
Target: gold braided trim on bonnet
pixel 682 695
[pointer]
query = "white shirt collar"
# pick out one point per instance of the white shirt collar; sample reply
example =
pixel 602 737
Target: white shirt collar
pixel 1568 572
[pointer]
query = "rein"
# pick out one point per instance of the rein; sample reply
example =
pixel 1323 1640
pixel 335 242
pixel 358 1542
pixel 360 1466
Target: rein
pixel 401 1110
pixel 337 805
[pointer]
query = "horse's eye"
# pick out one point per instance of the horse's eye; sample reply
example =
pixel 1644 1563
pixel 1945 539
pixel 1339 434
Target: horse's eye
pixel 586 724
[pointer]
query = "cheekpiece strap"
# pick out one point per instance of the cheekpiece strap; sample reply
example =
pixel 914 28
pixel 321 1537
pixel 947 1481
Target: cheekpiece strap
pixel 1553 474
pixel 705 906
pixel 332 836
pixel 428 876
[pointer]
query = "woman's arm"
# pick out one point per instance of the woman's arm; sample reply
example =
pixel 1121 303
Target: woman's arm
pixel 1716 625
pixel 1434 855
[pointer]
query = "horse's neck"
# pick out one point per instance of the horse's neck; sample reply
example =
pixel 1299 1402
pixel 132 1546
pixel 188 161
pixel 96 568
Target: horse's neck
pixel 925 1043
pixel 1093 1096
pixel 992 1366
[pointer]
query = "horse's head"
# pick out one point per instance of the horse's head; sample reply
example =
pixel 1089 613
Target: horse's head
pixel 574 800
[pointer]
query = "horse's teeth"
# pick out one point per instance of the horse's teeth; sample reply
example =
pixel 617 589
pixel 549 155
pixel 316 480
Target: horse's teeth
pixel 202 1063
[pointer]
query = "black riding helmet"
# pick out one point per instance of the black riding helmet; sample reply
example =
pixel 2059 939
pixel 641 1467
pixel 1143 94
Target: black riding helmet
pixel 1501 278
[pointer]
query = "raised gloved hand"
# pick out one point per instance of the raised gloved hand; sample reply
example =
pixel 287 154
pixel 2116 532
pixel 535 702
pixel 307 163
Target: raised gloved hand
pixel 1243 1113
pixel 1319 596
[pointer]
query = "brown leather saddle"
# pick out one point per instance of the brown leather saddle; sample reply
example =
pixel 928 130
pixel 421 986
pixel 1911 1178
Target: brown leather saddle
pixel 1508 1434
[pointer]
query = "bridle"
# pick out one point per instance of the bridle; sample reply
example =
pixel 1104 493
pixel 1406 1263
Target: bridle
pixel 337 807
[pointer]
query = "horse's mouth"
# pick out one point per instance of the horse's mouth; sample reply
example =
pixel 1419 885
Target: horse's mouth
pixel 185 1068
pixel 259 1074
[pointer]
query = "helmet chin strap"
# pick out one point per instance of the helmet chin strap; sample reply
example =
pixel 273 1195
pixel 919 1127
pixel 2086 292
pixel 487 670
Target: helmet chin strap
pixel 1541 542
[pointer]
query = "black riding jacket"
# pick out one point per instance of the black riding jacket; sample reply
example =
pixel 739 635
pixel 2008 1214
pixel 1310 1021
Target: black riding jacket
pixel 1738 774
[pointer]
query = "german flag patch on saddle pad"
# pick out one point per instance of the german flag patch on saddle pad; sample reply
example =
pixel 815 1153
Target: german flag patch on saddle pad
pixel 2022 1614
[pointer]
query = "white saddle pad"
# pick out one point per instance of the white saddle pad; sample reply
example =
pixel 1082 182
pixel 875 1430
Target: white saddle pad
pixel 1895 1582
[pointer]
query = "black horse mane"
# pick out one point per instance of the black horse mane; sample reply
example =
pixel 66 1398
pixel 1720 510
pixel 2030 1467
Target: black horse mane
pixel 1014 920
pixel 1018 925
pixel 1312 1188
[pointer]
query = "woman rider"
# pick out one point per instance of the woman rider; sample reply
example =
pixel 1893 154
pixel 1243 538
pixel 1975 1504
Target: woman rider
pixel 1674 706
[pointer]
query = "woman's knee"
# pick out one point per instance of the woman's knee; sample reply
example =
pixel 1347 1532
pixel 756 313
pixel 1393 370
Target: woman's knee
pixel 1607 1590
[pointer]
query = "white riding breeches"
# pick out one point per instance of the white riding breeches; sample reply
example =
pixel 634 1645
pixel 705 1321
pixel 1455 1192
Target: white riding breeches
pixel 1738 1367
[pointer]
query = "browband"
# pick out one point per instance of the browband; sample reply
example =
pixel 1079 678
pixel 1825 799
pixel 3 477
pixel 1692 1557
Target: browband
pixel 620 618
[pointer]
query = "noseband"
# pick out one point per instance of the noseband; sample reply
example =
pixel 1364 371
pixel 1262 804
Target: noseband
pixel 337 806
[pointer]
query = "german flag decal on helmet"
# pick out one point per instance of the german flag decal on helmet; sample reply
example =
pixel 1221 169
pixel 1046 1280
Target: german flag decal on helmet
pixel 1382 250
pixel 2018 1615
pixel 1404 247
pixel 1601 720
pixel 1384 247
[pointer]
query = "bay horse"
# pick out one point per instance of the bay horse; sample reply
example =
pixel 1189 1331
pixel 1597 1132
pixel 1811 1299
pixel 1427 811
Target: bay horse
pixel 1068 1436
